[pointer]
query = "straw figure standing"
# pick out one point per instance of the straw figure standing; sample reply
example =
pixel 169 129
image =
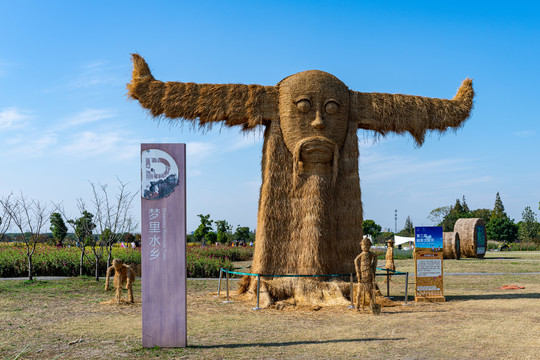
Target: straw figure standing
pixel 123 276
pixel 390 256
pixel 366 264
pixel 310 211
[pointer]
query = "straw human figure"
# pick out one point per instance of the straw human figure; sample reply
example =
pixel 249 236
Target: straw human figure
pixel 390 265
pixel 310 211
pixel 123 276
pixel 366 264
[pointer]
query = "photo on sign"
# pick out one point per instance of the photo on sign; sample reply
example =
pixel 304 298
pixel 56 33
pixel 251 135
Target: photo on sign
pixel 159 174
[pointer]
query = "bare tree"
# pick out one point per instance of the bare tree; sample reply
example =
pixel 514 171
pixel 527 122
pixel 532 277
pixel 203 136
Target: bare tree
pixel 100 230
pixel 112 215
pixel 437 215
pixel 97 244
pixel 5 219
pixel 29 217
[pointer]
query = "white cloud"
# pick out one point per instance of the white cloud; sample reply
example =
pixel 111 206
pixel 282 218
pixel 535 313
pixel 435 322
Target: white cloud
pixel 96 72
pixel 242 141
pixel 114 145
pixel 525 133
pixel 198 151
pixel 374 166
pixel 88 116
pixel 193 172
pixel 201 150
pixel 95 64
pixel 11 118
pixel 465 183
pixel 31 146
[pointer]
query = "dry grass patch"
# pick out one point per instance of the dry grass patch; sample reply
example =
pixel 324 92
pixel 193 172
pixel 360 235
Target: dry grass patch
pixel 479 321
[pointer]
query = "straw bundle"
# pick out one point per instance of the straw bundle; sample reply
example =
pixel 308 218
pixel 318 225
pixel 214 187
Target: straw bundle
pixel 389 257
pixel 472 237
pixel 451 246
pixel 234 104
pixel 398 113
pixel 310 211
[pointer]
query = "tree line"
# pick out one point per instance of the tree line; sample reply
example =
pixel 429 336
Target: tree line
pixel 499 226
pixel 223 232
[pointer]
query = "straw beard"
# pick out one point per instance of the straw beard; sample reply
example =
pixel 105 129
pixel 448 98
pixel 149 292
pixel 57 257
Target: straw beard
pixel 318 165
pixel 314 189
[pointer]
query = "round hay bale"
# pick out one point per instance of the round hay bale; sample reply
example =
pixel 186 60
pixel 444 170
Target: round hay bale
pixel 472 236
pixel 451 246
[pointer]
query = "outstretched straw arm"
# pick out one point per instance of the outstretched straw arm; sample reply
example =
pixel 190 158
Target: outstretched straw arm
pixel 234 104
pixel 398 113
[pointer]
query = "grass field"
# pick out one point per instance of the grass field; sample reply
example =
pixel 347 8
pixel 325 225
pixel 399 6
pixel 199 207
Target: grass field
pixel 66 319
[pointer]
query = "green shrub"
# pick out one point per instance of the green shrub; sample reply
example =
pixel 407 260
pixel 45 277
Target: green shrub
pixel 398 254
pixel 53 261
pixel 201 267
pixel 233 253
pixel 524 246
pixel 205 261
pixel 493 245
pixel 520 246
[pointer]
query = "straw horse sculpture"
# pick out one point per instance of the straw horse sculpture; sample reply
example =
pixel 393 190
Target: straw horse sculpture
pixel 310 211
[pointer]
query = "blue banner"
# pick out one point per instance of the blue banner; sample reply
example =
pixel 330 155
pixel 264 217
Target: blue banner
pixel 430 237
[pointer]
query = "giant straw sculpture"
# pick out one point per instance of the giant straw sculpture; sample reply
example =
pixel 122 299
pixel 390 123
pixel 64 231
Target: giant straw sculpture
pixel 310 211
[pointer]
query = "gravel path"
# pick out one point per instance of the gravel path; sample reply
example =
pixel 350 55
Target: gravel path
pixel 410 274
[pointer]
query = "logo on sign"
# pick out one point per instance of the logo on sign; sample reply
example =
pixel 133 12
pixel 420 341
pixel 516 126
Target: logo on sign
pixel 159 174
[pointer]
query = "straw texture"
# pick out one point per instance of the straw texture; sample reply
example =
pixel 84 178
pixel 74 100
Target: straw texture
pixel 467 230
pixel 232 104
pixel 451 245
pixel 389 257
pixel 398 113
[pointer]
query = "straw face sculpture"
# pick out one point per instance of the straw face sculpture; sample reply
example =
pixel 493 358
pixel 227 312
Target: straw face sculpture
pixel 310 210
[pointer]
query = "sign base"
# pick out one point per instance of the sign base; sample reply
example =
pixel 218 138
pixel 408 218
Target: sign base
pixel 429 299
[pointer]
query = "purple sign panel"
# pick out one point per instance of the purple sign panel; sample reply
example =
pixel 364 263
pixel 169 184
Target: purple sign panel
pixel 163 245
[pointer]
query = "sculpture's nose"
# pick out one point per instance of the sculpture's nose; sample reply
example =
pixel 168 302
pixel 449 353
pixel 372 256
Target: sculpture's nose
pixel 318 123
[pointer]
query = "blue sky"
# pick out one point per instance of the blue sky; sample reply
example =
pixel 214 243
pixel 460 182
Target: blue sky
pixel 65 119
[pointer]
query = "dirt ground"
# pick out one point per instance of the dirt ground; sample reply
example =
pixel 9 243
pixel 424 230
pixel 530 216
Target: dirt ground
pixel 69 319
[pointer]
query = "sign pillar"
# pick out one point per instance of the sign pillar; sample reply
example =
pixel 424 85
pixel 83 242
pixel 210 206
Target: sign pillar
pixel 428 255
pixel 163 245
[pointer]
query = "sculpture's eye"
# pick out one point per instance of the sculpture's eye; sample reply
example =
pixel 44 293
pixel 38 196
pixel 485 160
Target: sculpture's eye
pixel 303 105
pixel 331 107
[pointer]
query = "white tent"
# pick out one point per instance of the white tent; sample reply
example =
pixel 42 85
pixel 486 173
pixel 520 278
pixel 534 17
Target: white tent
pixel 399 240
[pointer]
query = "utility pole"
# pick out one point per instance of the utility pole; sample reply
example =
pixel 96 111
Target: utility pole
pixel 395 218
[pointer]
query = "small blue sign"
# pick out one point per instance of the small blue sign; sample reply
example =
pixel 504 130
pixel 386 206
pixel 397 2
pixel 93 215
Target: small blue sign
pixel 430 237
